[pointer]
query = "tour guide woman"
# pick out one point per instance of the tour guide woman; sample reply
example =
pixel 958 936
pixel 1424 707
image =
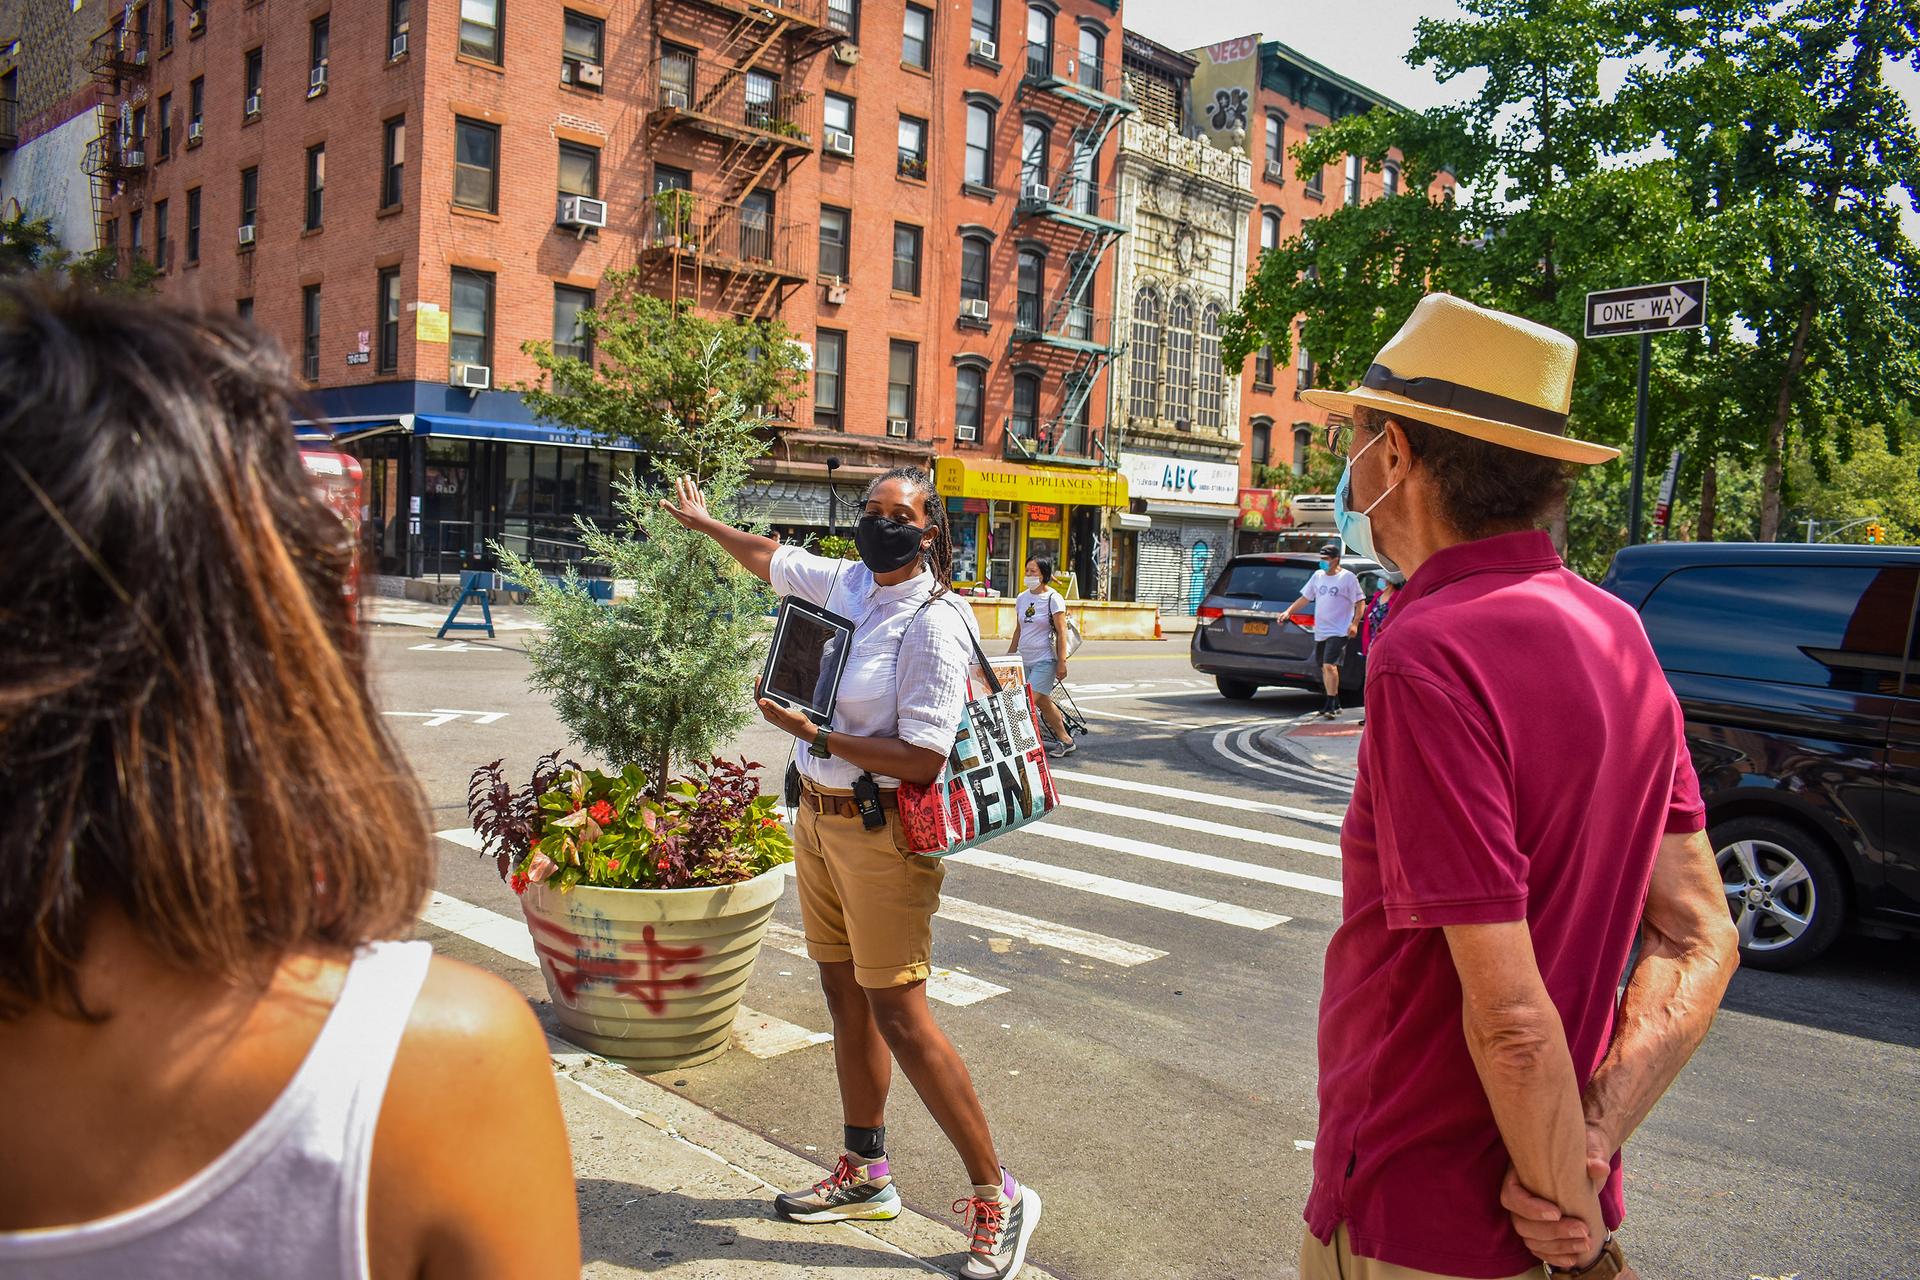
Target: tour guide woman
pixel 866 901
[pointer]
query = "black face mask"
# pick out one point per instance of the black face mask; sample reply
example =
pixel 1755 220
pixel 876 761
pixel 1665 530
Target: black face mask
pixel 886 545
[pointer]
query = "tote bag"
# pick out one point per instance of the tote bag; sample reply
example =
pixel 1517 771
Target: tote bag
pixel 995 779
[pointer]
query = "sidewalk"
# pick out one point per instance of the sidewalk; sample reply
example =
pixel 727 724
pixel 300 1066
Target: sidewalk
pixel 1329 746
pixel 669 1189
pixel 387 611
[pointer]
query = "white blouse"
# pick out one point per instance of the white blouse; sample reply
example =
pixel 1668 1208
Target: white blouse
pixel 906 673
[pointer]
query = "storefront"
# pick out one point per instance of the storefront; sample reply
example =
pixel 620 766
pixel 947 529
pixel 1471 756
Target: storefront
pixel 1194 507
pixel 1004 514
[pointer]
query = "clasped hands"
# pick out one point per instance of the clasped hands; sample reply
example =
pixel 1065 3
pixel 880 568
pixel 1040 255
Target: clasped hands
pixel 1555 1236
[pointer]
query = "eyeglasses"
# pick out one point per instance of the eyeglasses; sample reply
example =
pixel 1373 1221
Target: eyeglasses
pixel 1339 436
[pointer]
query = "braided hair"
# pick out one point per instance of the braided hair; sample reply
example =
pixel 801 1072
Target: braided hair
pixel 938 556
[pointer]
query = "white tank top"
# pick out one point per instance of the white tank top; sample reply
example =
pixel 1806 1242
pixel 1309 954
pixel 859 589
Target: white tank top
pixel 289 1199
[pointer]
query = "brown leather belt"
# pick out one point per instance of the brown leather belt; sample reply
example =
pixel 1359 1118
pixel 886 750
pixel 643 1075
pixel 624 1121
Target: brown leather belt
pixel 826 802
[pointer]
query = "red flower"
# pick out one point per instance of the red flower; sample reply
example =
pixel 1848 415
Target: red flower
pixel 519 882
pixel 662 865
pixel 613 864
pixel 602 813
pixel 769 822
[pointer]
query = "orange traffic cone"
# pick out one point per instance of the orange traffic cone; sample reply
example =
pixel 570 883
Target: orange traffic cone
pixel 1157 633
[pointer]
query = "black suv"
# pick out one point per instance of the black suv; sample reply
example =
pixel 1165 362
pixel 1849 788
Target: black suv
pixel 1798 668
pixel 1243 639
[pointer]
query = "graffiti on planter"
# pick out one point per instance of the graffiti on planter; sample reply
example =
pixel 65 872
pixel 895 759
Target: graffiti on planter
pixel 578 964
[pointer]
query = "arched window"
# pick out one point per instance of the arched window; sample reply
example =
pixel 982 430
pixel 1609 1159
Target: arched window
pixel 1262 443
pixel 1269 229
pixel 1032 275
pixel 1302 446
pixel 1039 42
pixel 1092 69
pixel 1212 376
pixel 1180 361
pixel 969 386
pixel 975 253
pixel 979 163
pixel 1026 405
pixel 1033 154
pixel 1084 177
pixel 1143 397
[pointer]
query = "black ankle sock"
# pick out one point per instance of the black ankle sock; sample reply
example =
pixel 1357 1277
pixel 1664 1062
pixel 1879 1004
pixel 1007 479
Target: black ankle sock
pixel 868 1144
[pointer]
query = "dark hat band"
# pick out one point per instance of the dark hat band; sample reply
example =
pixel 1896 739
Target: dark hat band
pixel 1442 394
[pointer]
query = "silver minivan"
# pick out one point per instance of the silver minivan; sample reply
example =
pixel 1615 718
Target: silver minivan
pixel 1244 639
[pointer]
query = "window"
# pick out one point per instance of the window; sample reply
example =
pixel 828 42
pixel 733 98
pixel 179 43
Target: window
pixel 1180 360
pixel 975 255
pixel 1080 271
pixel 1084 178
pixel 480 29
pixel 1269 229
pixel 1302 367
pixel 1033 154
pixel 196 105
pixel 316 185
pixel 137 130
pixel 160 234
pixel 1143 395
pixel 1026 405
pixel 844 16
pixel 110 240
pixel 579 170
pixel 836 113
pixel 1353 180
pixel 1213 377
pixel 670 217
pixel 476 161
pixel 917 37
pixel 835 228
pixel 471 337
pixel 394 170
pixel 166 24
pixel 979 164
pixel 986 22
pixel 969 392
pixel 165 110
pixel 1314 187
pixel 756 227
pixel 1302 448
pixel 829 369
pixel 762 95
pixel 676 77
pixel 903 359
pixel 1262 442
pixel 1092 67
pixel 582 44
pixel 243 307
pixel 193 225
pixel 571 339
pixel 1276 141
pixel 913 147
pixel 388 304
pixel 1031 277
pixel 906 259
pixel 319 37
pixel 255 69
pixel 136 237
pixel 249 197
pixel 310 333
pixel 1263 368
pixel 1039 42
pixel 399 13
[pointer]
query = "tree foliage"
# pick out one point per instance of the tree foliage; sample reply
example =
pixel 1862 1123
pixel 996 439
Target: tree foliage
pixel 30 244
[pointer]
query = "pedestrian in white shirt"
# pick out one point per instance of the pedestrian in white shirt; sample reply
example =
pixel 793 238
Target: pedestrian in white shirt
pixel 1335 595
pixel 866 899
pixel 1040 637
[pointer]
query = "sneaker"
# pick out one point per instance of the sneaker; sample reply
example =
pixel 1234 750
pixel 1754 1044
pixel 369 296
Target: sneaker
pixel 1059 749
pixel 854 1190
pixel 998 1232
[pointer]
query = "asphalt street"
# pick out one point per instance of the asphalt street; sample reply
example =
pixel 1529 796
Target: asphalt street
pixel 1135 985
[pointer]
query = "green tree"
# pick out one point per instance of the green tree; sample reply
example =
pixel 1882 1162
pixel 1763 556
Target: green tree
pixel 1855 475
pixel 30 244
pixel 662 676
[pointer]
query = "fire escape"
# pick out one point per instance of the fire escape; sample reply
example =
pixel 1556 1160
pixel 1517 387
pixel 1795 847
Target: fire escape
pixel 1071 213
pixel 736 114
pixel 116 158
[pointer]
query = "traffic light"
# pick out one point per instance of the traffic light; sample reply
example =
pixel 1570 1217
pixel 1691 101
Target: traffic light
pixel 1876 533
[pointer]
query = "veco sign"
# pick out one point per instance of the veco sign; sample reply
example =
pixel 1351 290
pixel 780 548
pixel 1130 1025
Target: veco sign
pixel 1180 480
pixel 1011 482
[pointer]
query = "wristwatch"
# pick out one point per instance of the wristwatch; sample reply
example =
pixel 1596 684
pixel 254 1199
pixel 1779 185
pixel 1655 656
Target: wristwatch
pixel 818 747
pixel 1608 1265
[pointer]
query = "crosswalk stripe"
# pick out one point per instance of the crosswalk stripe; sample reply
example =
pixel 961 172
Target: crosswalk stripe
pixel 1292 843
pixel 1094 946
pixel 1185 904
pixel 1185 858
pixel 946 985
pixel 760 1034
pixel 1199 797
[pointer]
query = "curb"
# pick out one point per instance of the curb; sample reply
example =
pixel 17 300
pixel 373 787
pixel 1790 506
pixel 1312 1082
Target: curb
pixel 1339 766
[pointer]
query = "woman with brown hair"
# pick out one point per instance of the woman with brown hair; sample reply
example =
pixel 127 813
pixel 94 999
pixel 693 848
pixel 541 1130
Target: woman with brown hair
pixel 207 843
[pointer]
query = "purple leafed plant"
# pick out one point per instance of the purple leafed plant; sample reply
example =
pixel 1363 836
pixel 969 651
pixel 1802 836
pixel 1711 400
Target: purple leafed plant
pixel 508 820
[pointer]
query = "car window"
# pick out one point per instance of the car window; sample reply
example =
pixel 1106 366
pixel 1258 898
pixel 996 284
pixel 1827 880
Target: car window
pixel 1262 580
pixel 1820 626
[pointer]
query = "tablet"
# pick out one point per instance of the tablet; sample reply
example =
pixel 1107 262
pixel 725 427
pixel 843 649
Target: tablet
pixel 808 655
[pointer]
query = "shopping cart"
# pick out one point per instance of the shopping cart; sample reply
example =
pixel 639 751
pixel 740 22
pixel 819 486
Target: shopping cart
pixel 1069 712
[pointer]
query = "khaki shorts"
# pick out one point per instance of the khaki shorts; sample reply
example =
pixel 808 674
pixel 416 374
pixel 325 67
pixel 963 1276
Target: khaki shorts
pixel 1337 1261
pixel 865 898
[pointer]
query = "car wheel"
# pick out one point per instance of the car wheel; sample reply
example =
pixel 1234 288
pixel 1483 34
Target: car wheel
pixel 1236 690
pixel 1783 889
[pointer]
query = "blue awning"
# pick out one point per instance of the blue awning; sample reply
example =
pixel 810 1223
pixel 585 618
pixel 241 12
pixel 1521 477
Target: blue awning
pixel 338 431
pixel 456 428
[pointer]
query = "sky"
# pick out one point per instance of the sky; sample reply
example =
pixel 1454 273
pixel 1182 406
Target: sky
pixel 1364 40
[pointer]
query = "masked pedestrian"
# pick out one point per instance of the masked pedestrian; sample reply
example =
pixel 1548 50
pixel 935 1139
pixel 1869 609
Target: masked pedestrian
pixel 866 899
pixel 1525 809
pixel 1040 638
pixel 1335 594
pixel 218 1060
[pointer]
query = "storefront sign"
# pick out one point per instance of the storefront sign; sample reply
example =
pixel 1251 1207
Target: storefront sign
pixel 1042 513
pixel 1152 476
pixel 1011 482
pixel 1263 510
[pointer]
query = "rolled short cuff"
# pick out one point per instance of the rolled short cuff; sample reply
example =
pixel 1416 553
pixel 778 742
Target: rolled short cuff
pixel 927 735
pixel 899 976
pixel 829 952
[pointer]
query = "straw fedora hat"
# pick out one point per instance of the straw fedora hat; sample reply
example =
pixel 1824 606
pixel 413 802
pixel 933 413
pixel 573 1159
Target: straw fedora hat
pixel 1482 373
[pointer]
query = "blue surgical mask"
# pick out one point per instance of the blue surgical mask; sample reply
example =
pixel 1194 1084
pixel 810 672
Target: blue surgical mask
pixel 1356 528
pixel 1325 564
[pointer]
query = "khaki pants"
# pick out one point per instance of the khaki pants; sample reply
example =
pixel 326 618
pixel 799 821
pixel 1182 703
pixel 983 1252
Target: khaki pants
pixel 1336 1261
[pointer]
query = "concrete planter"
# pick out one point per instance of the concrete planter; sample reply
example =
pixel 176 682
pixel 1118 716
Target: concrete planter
pixel 650 977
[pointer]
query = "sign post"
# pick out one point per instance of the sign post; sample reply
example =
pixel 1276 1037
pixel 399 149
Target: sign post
pixel 1663 509
pixel 1645 309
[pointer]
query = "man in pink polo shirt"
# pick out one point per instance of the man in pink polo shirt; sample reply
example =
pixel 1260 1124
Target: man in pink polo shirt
pixel 1525 806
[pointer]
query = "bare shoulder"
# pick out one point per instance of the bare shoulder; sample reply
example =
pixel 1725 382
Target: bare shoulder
pixel 459 1002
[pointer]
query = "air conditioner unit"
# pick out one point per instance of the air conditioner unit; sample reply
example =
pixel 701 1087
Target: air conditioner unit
pixel 194 133
pixel 471 377
pixel 897 428
pixel 839 142
pixel 846 53
pixel 837 291
pixel 591 74
pixel 399 47
pixel 986 49
pixel 963 432
pixel 196 20
pixel 582 211
pixel 246 233
pixel 134 159
pixel 1037 193
pixel 975 309
pixel 1276 171
pixel 253 104
pixel 317 82
pixel 673 96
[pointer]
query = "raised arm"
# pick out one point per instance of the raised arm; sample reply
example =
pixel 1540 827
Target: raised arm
pixel 689 507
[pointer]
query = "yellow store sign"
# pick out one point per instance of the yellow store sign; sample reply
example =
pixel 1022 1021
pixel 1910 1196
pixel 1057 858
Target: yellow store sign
pixel 1011 482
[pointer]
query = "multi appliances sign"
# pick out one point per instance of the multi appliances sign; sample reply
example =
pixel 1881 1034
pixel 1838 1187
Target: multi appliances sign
pixel 1165 479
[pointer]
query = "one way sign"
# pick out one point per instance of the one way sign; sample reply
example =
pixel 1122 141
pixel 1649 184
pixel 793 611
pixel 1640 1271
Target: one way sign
pixel 1647 308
